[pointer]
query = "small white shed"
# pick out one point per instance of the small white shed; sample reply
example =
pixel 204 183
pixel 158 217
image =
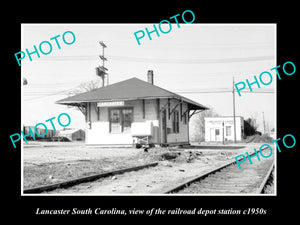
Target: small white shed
pixel 218 129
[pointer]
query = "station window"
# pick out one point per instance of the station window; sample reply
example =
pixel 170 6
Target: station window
pixel 228 130
pixel 126 120
pixel 184 118
pixel 120 120
pixel 175 122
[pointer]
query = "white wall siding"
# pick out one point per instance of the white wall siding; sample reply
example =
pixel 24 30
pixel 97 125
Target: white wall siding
pixel 97 131
pixel 182 136
pixel 214 123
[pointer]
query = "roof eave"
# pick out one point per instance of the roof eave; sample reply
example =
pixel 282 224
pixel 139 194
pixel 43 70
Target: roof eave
pixel 198 107
pixel 69 102
pixel 193 105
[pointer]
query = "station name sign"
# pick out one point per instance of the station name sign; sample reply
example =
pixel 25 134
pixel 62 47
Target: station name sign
pixel 110 104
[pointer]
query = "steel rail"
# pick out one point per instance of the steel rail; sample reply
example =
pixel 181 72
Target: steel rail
pixel 76 181
pixel 263 183
pixel 202 176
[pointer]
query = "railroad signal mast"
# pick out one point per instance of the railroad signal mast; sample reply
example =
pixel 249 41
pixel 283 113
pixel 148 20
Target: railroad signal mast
pixel 101 70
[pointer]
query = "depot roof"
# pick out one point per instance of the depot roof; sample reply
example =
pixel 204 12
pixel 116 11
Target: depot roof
pixel 130 89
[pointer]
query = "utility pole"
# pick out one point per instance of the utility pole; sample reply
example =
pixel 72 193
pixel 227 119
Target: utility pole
pixel 264 122
pixel 101 70
pixel 233 98
pixel 223 133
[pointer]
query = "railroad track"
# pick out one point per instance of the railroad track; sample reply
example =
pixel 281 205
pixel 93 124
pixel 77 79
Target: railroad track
pixel 224 179
pixel 229 179
pixel 77 181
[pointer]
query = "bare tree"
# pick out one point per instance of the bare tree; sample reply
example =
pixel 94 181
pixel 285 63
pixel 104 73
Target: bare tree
pixel 199 124
pixel 84 87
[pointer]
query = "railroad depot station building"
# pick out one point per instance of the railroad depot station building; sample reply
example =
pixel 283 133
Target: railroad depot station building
pixel 135 111
pixel 218 129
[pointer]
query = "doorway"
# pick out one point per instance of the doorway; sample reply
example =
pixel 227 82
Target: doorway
pixel 215 134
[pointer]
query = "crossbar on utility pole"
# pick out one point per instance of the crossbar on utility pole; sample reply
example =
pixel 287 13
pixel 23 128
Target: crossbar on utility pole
pixel 101 70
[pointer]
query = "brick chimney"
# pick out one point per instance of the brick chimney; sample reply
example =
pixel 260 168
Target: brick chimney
pixel 150 76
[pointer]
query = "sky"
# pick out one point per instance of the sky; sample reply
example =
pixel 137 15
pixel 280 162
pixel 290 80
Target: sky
pixel 197 61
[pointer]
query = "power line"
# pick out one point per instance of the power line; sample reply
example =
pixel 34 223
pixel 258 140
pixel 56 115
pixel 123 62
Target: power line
pixel 193 61
pixel 222 91
pixel 179 92
pixel 48 93
pixel 57 93
pixel 192 45
pixel 160 60
pixel 51 94
pixel 191 91
pixel 42 94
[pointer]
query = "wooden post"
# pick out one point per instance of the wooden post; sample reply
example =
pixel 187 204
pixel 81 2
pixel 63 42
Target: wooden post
pixel 181 111
pixel 90 115
pixel 86 112
pixel 144 111
pixel 169 106
pixel 157 107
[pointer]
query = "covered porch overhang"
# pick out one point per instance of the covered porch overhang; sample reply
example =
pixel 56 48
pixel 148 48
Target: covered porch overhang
pixel 192 109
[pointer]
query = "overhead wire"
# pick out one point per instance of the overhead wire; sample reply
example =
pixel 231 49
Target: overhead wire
pixel 160 60
pixel 213 91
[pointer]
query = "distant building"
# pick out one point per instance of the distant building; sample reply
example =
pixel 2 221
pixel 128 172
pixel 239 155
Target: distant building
pixel 49 133
pixel 72 134
pixel 273 133
pixel 218 129
pixel 132 111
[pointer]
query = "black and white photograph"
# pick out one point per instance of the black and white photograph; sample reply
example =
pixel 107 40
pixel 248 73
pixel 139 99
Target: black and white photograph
pixel 166 109
pixel 149 111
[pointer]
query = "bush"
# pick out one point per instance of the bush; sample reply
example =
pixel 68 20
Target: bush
pixel 258 139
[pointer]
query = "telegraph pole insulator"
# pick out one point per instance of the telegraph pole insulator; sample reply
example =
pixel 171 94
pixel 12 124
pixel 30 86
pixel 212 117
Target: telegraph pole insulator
pixel 103 58
pixel 103 68
pixel 102 44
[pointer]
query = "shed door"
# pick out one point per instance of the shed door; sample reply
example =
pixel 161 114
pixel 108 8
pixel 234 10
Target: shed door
pixel 215 134
pixel 212 134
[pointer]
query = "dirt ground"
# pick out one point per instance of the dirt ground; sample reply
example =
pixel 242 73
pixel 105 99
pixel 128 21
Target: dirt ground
pixel 54 152
pixel 48 163
pixel 51 163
